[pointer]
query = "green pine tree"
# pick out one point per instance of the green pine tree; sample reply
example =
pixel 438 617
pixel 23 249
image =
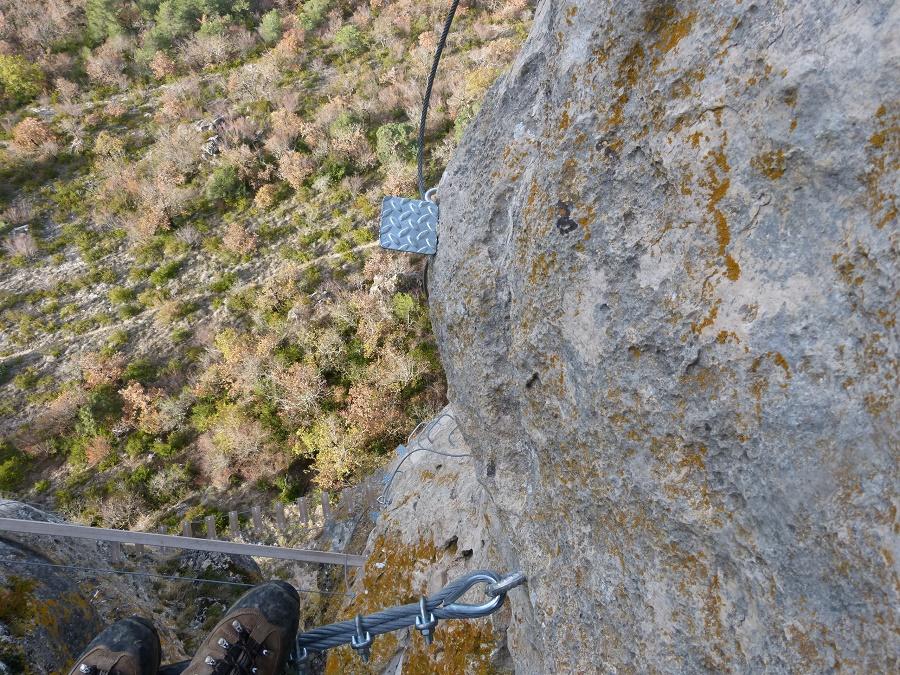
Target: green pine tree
pixel 102 20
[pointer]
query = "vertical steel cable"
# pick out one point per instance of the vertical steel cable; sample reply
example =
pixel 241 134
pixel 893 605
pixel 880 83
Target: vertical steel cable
pixel 420 157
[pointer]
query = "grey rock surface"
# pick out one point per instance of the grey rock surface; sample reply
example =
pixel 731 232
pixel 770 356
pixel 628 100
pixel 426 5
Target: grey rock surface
pixel 665 295
pixel 439 525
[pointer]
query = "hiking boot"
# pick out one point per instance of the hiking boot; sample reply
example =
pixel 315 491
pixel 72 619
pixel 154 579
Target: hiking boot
pixel 128 647
pixel 255 637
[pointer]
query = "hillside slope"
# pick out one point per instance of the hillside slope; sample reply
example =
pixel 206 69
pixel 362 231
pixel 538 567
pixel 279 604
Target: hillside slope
pixel 194 314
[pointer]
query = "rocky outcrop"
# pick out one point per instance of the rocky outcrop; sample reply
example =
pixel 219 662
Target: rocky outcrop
pixel 439 525
pixel 55 595
pixel 665 296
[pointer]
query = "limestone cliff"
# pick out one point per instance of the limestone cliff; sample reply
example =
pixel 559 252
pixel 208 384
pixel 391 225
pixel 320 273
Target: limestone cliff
pixel 665 296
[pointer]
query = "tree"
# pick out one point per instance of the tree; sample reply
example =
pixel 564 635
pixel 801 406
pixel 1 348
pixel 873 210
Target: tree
pixel 313 13
pixel 20 81
pixel 102 21
pixel 348 40
pixel 224 184
pixel 270 27
pixel 394 142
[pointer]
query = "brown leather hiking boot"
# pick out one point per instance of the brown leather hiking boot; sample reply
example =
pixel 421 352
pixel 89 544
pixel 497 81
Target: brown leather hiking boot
pixel 255 637
pixel 128 647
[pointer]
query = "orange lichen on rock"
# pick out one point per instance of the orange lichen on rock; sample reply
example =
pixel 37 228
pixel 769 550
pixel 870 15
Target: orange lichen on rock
pixel 770 164
pixel 387 581
pixel 708 320
pixel 669 26
pixel 884 161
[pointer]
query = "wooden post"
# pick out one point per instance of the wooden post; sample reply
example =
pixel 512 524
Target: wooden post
pixel 162 530
pixel 257 520
pixel 234 524
pixel 186 529
pixel 115 548
pixel 139 549
pixel 210 527
pixel 279 516
pixel 326 506
pixel 304 511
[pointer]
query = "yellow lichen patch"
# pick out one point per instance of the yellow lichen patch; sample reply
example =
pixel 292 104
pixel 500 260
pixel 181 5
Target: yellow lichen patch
pixel 541 267
pixel 390 584
pixel 732 269
pixel 669 26
pixel 770 164
pixel 781 362
pixel 564 121
pixel 708 320
pixel 728 31
pixel 725 336
pixel 627 76
pixel 460 647
pixel 883 152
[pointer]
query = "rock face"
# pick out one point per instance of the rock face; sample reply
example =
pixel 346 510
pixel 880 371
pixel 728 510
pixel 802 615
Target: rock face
pixel 439 525
pixel 665 295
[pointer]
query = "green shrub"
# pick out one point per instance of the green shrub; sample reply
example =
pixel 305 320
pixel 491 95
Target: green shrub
pixel 223 283
pixel 403 305
pixel 395 141
pixel 348 40
pixel 137 444
pixel 128 311
pixel 27 379
pixel 20 81
pixel 313 13
pixel 12 467
pixel 101 20
pixel 139 477
pixel 116 340
pixel 121 295
pixel 270 27
pixel 139 370
pixel 224 185
pixel 41 486
pixel 165 272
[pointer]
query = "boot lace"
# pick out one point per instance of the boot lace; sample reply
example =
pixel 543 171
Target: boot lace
pixel 240 657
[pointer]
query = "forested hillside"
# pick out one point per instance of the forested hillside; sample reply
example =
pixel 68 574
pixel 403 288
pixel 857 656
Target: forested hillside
pixel 193 307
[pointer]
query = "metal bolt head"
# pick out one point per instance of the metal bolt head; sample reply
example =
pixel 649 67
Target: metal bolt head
pixel 85 668
pixel 237 626
pixel 223 643
pixel 210 661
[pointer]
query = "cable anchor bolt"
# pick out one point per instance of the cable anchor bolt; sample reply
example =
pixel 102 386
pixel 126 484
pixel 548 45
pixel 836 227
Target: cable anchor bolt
pixel 426 622
pixel 362 641
pixel 506 584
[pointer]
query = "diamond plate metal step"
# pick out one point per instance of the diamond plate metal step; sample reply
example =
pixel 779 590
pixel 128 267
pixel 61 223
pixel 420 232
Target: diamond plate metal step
pixel 409 225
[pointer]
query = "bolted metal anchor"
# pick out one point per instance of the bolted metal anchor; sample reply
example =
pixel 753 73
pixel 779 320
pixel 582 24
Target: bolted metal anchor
pixel 362 641
pixel 425 622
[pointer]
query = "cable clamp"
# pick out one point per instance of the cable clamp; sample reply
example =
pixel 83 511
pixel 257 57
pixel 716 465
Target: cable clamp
pixel 362 641
pixel 425 622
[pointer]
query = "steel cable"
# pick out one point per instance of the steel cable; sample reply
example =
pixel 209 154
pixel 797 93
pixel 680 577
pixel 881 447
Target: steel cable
pixel 441 605
pixel 420 156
